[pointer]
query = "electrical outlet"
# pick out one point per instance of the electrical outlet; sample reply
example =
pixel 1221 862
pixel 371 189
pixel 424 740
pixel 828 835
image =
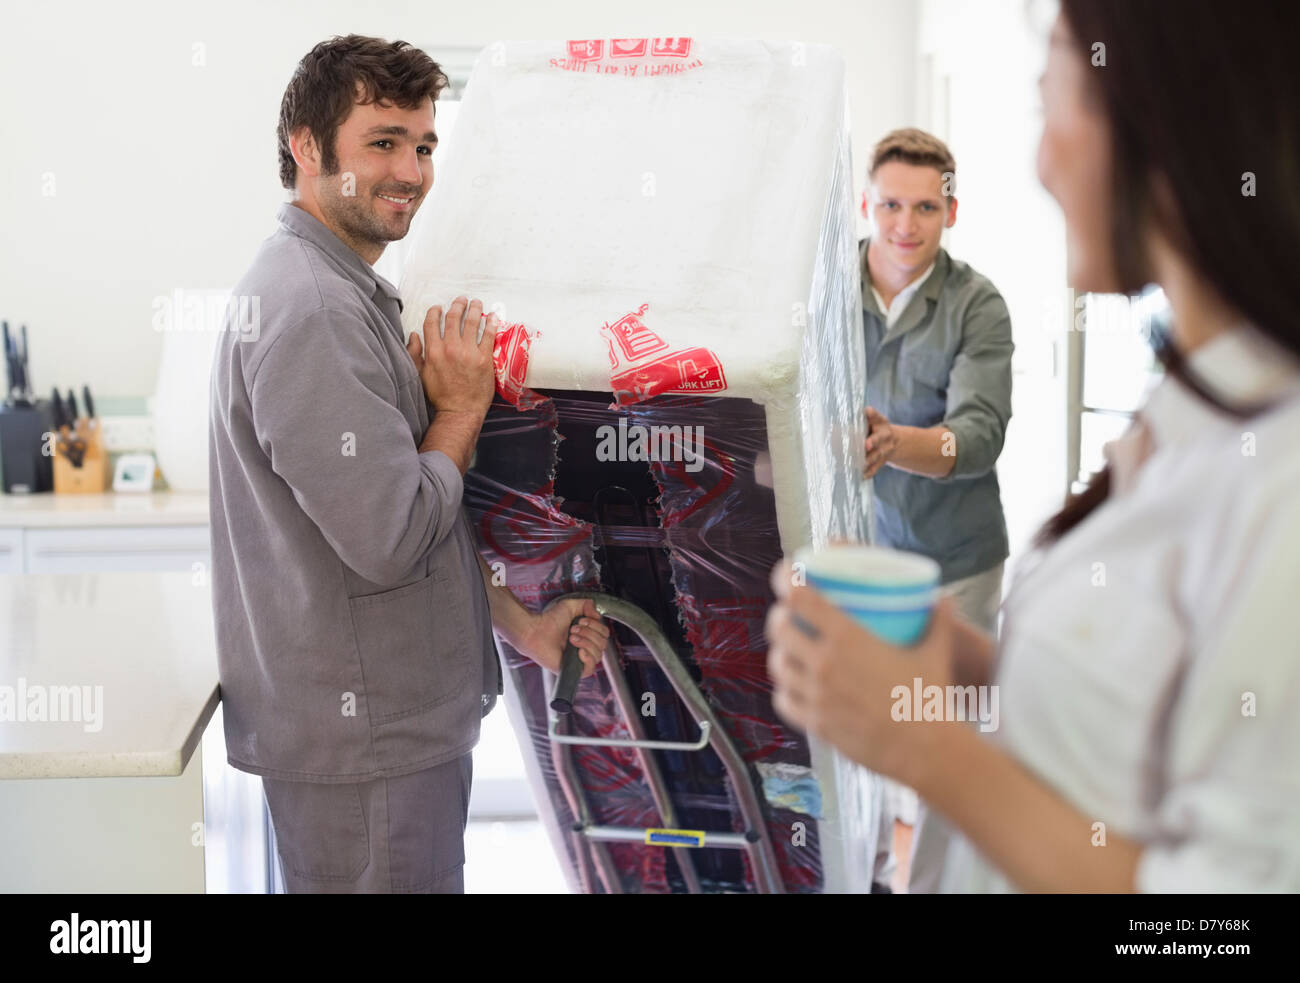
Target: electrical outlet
pixel 127 433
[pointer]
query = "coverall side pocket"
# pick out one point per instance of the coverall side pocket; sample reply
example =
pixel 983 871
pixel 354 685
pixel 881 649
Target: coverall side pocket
pixel 320 829
pixel 412 659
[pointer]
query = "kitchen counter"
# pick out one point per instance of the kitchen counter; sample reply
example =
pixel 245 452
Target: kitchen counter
pixel 103 792
pixel 142 642
pixel 48 510
pixel 104 533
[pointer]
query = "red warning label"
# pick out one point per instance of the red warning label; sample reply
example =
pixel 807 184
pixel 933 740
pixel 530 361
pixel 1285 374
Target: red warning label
pixel 510 363
pixel 632 57
pixel 642 364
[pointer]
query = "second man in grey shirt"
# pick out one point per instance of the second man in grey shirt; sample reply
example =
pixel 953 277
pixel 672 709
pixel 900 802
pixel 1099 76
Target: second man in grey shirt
pixel 938 347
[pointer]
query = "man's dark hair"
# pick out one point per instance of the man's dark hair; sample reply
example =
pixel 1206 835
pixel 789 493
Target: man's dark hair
pixel 340 72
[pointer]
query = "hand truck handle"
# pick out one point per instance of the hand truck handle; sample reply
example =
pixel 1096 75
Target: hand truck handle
pixel 566 686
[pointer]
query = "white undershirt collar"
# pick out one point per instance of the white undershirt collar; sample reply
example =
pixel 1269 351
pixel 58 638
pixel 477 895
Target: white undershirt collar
pixel 895 310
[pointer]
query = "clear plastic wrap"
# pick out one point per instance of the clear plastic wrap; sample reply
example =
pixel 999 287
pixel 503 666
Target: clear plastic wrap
pixel 692 549
pixel 726 319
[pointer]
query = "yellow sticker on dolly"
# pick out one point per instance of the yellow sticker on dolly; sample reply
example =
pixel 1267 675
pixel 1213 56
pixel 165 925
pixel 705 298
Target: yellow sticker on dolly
pixel 675 837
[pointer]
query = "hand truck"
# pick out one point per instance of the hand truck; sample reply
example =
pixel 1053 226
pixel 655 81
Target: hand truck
pixel 587 837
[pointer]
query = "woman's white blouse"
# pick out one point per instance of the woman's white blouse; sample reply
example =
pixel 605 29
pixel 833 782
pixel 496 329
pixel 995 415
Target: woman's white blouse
pixel 1150 660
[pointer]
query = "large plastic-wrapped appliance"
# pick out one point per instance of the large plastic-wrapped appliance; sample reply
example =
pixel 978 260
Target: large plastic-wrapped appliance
pixel 665 228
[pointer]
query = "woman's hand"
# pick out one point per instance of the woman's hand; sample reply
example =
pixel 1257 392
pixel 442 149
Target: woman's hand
pixel 836 680
pixel 838 687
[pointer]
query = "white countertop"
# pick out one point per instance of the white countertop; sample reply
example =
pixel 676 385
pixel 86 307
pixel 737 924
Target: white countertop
pixel 48 510
pixel 145 638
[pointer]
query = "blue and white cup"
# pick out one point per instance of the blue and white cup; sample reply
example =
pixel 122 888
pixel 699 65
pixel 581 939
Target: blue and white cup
pixel 889 592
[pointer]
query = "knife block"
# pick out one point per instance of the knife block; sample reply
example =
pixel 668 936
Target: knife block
pixel 26 466
pixel 93 474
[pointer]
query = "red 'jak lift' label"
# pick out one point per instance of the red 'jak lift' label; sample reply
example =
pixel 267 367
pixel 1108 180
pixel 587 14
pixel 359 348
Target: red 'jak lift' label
pixel 642 367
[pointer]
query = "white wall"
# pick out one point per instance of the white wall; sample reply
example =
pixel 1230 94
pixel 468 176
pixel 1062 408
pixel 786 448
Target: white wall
pixel 165 173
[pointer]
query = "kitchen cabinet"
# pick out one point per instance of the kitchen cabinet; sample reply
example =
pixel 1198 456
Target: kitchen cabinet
pixel 11 551
pixel 138 549
pixel 107 683
pixel 76 546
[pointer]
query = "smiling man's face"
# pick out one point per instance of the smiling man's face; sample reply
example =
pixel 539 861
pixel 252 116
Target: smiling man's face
pixel 909 213
pixel 385 168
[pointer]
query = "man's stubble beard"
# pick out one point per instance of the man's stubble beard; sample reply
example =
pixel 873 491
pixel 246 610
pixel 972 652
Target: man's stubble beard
pixel 356 218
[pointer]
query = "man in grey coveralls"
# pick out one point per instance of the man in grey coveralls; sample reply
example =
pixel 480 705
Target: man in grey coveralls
pixel 354 614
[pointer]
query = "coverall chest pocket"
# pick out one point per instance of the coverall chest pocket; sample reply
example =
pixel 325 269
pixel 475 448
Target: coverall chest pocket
pixel 412 645
pixel 928 368
pixel 922 380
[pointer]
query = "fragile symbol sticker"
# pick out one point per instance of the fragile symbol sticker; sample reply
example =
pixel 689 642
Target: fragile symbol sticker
pixel 510 361
pixel 642 364
pixel 645 57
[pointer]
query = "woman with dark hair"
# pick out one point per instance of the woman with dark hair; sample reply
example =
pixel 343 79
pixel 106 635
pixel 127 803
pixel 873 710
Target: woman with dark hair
pixel 1148 675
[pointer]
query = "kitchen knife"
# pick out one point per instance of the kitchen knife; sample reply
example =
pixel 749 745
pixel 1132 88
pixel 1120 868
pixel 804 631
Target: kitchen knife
pixel 60 422
pixel 9 361
pixel 76 441
pixel 60 417
pixel 27 378
pixel 19 380
pixel 90 404
pixel 20 377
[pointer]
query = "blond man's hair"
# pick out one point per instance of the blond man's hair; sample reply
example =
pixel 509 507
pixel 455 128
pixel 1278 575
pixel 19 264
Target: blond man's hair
pixel 920 149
